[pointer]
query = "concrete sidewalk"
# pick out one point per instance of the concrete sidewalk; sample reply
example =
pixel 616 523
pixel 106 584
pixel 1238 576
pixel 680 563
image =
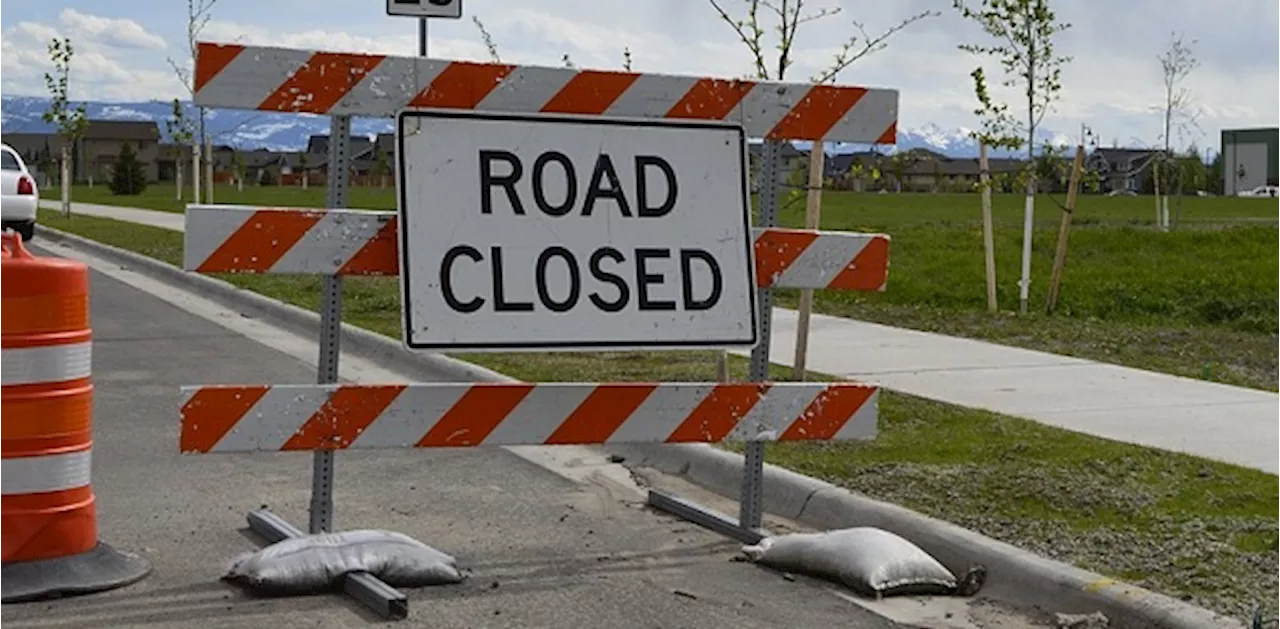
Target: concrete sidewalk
pixel 1233 424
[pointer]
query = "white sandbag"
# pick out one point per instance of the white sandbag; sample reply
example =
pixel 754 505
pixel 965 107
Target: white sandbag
pixel 316 562
pixel 870 561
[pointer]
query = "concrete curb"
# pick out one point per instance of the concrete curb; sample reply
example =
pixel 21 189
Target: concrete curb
pixel 1014 575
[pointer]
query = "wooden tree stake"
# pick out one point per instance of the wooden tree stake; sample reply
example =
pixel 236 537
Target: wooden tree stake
pixel 988 230
pixel 1060 256
pixel 812 216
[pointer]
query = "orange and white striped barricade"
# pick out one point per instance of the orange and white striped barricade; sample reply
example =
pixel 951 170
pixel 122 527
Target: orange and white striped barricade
pixel 49 516
pixel 334 243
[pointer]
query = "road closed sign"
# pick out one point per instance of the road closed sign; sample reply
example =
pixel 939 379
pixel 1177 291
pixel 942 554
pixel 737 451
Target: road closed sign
pixel 539 232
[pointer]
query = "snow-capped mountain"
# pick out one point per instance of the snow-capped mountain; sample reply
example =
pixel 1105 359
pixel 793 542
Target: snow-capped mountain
pixel 289 132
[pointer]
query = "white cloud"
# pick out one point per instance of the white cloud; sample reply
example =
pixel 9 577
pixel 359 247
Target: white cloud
pixel 113 58
pixel 107 31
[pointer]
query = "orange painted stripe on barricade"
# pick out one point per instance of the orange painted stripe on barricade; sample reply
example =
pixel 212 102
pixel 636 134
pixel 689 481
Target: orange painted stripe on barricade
pixel 320 83
pixel 710 99
pixel 462 85
pixel 817 112
pixel 46 438
pixel 268 237
pixel 427 415
pixel 590 92
pixel 776 250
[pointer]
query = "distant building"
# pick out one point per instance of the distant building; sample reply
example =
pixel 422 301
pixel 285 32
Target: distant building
pixel 1122 169
pixel 1249 158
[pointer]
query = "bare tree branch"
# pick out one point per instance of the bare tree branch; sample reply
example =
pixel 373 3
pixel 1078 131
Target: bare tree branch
pixel 1177 62
pixel 749 32
pixel 488 39
pixel 850 53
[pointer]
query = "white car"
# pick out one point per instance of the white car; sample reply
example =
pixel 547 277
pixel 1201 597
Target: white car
pixel 1260 191
pixel 19 194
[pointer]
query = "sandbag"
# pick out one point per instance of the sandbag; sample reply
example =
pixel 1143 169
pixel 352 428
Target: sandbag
pixel 870 561
pixel 316 562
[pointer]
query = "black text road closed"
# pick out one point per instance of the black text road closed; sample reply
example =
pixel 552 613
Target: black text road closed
pixel 522 232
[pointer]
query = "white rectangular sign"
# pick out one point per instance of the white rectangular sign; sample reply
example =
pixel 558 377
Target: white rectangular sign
pixel 540 232
pixel 426 8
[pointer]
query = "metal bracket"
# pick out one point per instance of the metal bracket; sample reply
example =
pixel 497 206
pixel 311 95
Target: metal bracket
pixel 383 599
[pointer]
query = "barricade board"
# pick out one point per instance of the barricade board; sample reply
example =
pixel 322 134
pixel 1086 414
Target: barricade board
pixel 548 233
pixel 248 418
pixel 282 241
pixel 350 84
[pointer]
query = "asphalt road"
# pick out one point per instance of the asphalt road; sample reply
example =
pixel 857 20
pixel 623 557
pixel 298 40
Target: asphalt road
pixel 543 550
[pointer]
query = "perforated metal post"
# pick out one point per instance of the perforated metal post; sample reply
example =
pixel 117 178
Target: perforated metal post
pixel 747 527
pixel 330 325
pixel 750 505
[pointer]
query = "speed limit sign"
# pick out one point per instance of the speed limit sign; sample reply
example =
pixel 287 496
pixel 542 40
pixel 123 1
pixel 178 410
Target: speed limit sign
pixel 425 8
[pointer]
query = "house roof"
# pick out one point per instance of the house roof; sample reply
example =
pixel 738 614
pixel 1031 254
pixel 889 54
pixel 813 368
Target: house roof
pixel 358 145
pixel 30 145
pixel 385 143
pixel 122 130
pixel 1122 160
pixel 923 162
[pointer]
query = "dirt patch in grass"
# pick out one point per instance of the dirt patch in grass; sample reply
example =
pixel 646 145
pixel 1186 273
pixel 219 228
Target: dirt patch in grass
pixel 1195 529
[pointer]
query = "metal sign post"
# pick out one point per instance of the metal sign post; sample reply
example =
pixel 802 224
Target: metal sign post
pixel 751 501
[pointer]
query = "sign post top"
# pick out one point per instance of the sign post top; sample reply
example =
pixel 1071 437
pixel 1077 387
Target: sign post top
pixel 562 233
pixel 450 9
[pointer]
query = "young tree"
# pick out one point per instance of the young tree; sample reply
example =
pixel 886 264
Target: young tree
pixel 237 168
pixel 128 177
pixel 181 131
pixel 198 14
pixel 1023 32
pixel 790 14
pixel 381 168
pixel 784 18
pixel 70 121
pixel 304 167
pixel 1176 63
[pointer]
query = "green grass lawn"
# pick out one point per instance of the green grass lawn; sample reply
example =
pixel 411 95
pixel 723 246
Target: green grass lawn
pixel 1196 302
pixel 1174 523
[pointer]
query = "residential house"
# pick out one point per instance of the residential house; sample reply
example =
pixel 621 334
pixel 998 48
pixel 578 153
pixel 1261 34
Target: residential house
pixel 916 170
pixel 40 151
pixel 356 146
pixel 793 160
pixel 366 164
pixel 96 153
pixel 170 157
pixel 300 168
pixel 1121 168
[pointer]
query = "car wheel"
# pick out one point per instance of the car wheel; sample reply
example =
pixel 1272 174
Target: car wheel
pixel 26 230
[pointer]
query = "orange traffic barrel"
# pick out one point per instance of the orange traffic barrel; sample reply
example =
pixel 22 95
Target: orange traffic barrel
pixel 48 512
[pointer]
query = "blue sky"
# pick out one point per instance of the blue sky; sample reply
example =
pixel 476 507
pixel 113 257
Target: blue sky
pixel 1113 83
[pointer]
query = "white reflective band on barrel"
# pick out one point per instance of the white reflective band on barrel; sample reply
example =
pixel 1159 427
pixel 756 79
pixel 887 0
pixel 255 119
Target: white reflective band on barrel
pixel 38 474
pixel 49 363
